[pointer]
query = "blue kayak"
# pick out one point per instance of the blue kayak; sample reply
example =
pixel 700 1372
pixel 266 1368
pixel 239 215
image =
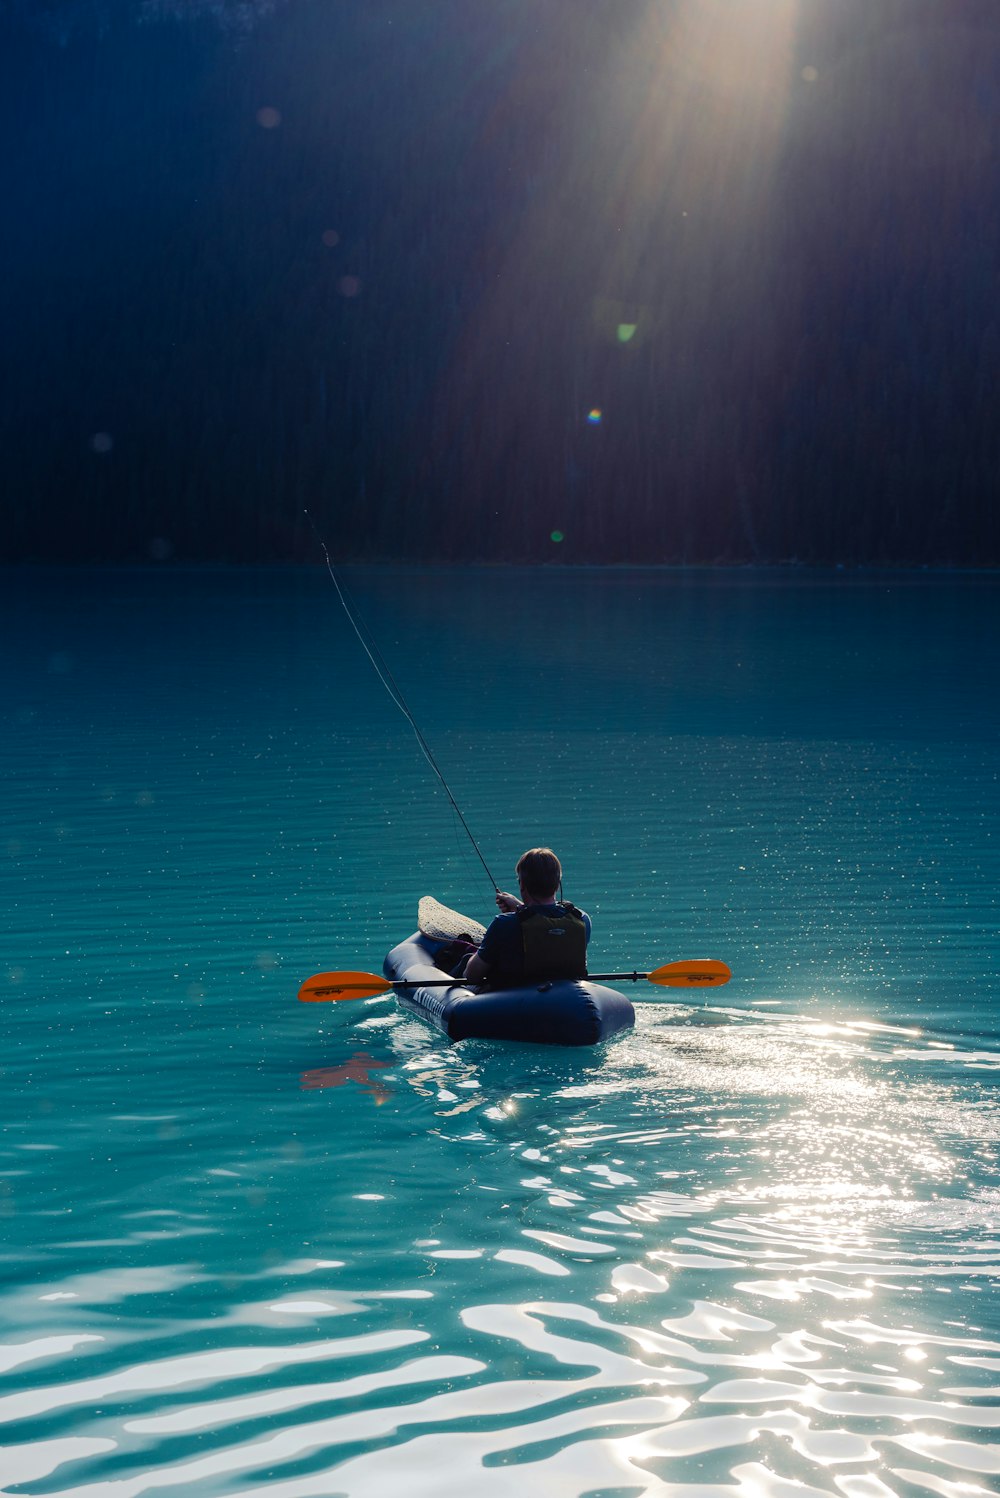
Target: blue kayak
pixel 562 1011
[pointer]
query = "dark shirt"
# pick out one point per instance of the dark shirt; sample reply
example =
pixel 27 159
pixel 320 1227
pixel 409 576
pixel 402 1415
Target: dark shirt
pixel 502 949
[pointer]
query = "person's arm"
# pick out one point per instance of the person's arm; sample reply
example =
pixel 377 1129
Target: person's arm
pixel 476 970
pixel 507 903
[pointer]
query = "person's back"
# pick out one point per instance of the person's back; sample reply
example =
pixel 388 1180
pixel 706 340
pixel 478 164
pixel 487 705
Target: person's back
pixel 535 939
pixel 537 942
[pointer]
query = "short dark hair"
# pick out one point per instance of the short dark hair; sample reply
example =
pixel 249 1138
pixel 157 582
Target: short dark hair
pixel 540 872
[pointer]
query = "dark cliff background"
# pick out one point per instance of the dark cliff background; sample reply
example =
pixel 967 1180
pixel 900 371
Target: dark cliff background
pixel 526 280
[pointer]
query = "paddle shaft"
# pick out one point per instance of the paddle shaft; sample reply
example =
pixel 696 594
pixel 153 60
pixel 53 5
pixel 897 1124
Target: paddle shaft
pixel 456 982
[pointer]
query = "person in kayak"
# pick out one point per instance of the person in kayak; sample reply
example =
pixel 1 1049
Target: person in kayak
pixel 535 938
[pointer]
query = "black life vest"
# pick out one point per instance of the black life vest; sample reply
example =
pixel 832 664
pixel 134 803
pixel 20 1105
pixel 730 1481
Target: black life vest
pixel 554 946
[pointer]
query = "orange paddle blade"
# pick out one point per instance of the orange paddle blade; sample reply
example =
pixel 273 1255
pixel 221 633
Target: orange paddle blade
pixel 697 972
pixel 330 986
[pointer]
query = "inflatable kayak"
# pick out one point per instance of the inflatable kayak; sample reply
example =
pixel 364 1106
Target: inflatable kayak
pixel 562 1011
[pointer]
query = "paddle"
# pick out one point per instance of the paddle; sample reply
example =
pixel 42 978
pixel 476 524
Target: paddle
pixel 698 972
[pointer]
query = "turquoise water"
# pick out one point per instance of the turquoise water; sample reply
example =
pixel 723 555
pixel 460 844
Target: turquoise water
pixel 253 1246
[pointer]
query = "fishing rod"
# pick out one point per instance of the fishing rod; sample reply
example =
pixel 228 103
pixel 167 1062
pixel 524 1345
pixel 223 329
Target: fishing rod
pixel 385 676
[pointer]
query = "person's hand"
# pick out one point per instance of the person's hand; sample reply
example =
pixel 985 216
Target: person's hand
pixel 507 903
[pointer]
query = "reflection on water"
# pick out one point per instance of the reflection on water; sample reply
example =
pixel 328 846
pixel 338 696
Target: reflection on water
pixel 749 1249
pixel 357 1068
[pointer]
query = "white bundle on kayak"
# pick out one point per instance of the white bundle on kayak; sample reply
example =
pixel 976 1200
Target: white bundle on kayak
pixel 441 924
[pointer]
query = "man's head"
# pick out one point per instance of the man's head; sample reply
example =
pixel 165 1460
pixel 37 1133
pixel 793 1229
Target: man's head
pixel 539 873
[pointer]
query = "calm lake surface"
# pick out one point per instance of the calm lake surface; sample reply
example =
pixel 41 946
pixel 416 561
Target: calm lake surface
pixel 254 1246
